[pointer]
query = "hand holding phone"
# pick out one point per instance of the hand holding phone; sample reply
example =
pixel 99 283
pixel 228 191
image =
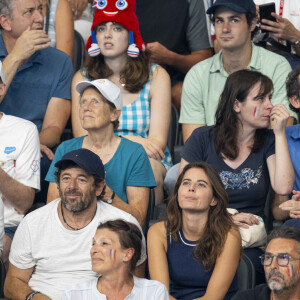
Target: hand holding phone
pixel 265 11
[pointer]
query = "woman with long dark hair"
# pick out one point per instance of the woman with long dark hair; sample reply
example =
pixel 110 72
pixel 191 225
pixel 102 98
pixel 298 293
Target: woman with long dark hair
pixel 247 155
pixel 190 251
pixel 117 52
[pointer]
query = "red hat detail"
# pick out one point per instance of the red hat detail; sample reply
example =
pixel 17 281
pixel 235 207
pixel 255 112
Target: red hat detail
pixel 119 11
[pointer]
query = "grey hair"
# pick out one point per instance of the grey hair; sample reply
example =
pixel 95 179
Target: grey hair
pixel 6 7
pixel 285 232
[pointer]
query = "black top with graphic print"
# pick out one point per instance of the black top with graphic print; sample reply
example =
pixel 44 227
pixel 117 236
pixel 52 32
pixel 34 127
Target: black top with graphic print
pixel 248 185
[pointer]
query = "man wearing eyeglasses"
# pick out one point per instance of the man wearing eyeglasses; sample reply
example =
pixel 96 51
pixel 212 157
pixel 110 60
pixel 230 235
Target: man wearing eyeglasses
pixel 281 262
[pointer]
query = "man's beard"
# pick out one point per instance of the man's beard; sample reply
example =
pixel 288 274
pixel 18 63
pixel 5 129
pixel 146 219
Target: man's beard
pixel 278 285
pixel 77 206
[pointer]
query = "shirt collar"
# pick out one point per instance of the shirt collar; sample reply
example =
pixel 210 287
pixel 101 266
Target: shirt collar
pixel 217 65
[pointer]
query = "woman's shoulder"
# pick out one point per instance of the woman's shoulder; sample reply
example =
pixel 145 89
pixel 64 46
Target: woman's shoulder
pixel 158 230
pixel 234 235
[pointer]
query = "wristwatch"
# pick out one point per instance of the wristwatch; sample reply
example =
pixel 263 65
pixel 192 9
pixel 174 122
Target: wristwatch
pixel 296 44
pixel 111 198
pixel 30 295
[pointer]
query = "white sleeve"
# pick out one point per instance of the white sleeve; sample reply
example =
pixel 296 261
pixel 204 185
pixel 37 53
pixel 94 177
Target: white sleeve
pixel 161 293
pixel 1 226
pixel 28 162
pixel 21 249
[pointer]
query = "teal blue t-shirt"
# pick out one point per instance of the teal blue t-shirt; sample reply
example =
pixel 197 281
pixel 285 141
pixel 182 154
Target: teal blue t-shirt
pixel 130 166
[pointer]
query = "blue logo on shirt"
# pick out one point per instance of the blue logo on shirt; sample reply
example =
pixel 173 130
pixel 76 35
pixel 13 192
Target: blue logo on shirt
pixel 9 150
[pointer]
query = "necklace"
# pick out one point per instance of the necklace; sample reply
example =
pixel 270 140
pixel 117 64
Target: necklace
pixel 76 229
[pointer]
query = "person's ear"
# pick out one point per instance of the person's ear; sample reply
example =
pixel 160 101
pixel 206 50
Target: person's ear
pixel 295 102
pixel 213 202
pixel 115 115
pixel 128 254
pixel 99 188
pixel 236 106
pixel 5 22
pixel 2 89
pixel 253 24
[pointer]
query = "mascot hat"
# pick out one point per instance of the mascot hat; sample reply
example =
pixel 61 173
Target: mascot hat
pixel 119 11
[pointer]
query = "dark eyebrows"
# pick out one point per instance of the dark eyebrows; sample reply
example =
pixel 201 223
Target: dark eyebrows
pixel 199 180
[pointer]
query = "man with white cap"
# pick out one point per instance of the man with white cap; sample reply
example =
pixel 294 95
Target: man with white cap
pixel 50 251
pixel 128 171
pixel 19 170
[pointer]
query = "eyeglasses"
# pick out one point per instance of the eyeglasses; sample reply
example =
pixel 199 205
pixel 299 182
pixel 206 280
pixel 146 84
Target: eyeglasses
pixel 282 259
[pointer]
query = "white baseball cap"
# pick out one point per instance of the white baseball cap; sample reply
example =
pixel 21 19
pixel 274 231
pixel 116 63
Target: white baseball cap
pixel 106 88
pixel 2 75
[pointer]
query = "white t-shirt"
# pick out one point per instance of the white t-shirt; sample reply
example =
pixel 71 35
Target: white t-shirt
pixel 1 227
pixel 19 158
pixel 61 257
pixel 143 289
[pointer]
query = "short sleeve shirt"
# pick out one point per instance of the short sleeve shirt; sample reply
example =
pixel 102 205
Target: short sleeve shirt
pixel 19 158
pixel 248 185
pixel 205 82
pixel 46 74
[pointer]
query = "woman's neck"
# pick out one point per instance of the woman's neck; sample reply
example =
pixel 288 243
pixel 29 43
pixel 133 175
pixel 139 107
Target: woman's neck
pixel 193 224
pixel 103 145
pixel 116 65
pixel 101 138
pixel 245 135
pixel 117 285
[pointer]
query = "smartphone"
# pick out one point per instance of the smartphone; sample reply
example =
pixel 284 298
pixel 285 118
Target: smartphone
pixel 265 11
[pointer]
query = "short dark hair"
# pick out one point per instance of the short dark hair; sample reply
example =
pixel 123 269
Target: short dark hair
pixel 285 232
pixel 293 86
pixel 112 107
pixel 130 236
pixel 69 165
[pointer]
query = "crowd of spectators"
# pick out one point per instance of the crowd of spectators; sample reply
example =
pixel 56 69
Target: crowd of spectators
pixel 74 214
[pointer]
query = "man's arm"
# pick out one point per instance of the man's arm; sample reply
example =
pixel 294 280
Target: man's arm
pixel 16 284
pixel 56 118
pixel 19 191
pixel 161 55
pixel 138 199
pixel 27 44
pixel 17 194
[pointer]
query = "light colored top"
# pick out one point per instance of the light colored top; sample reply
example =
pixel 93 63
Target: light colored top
pixel 1 226
pixel 205 82
pixel 19 158
pixel 51 28
pixel 143 289
pixel 61 257
pixel 135 117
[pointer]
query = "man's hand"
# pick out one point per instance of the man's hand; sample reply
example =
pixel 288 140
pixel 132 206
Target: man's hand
pixel 244 219
pixel 282 29
pixel 292 205
pixel 29 42
pixel 159 53
pixel 47 151
pixel 78 6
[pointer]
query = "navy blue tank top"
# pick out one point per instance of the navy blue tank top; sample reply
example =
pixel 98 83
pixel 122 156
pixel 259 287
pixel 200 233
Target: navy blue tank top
pixel 188 278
